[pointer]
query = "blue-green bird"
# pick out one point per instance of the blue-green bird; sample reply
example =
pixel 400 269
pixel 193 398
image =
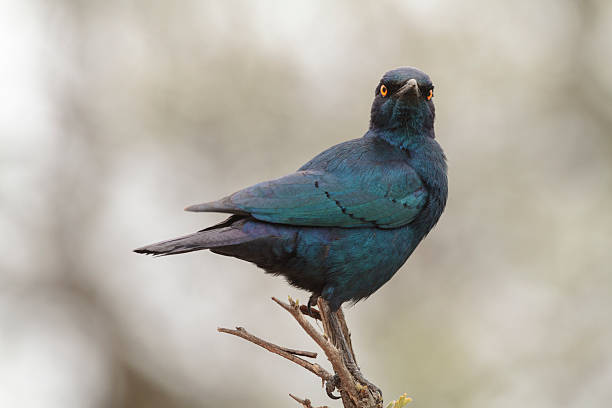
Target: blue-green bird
pixel 346 221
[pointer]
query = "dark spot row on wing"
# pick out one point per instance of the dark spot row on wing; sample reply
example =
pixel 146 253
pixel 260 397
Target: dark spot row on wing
pixel 343 209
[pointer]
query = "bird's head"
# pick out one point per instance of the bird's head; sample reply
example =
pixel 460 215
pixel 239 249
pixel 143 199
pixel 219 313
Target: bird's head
pixel 403 101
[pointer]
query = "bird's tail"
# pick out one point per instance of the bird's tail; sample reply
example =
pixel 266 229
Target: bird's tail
pixel 224 234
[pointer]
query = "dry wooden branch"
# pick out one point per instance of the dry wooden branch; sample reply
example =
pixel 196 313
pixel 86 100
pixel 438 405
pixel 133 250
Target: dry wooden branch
pixel 335 341
pixel 281 351
pixel 314 313
pixel 337 331
pixel 241 332
pixel 334 355
pixel 305 402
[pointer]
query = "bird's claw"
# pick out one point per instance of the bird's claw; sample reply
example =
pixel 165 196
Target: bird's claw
pixel 331 385
pixel 312 301
pixel 354 370
pixel 368 384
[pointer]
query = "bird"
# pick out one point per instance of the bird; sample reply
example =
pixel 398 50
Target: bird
pixel 346 221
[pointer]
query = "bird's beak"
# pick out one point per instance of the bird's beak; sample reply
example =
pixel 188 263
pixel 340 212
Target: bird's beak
pixel 409 88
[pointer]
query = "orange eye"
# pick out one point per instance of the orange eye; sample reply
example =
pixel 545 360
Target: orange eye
pixel 383 90
pixel 430 95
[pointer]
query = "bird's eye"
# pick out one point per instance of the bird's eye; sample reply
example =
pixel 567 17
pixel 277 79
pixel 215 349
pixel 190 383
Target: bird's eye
pixel 430 95
pixel 383 90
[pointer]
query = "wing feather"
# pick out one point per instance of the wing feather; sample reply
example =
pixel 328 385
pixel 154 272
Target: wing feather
pixel 382 198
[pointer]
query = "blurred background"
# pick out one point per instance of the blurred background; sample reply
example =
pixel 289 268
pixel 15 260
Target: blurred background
pixel 115 115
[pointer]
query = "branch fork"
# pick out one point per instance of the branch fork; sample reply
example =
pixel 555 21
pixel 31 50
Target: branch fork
pixel 335 341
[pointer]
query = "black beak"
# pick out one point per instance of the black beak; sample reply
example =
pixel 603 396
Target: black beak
pixel 409 88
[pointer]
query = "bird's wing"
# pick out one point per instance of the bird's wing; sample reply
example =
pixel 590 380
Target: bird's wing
pixel 380 198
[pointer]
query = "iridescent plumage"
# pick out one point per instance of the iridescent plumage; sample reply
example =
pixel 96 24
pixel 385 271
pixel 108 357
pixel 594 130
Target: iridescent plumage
pixel 347 220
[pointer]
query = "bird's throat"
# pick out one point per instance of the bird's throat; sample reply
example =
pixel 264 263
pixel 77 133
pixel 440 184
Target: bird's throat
pixel 404 137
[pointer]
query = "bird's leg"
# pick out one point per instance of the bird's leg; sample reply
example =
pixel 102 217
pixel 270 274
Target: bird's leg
pixel 349 358
pixel 356 372
pixel 331 385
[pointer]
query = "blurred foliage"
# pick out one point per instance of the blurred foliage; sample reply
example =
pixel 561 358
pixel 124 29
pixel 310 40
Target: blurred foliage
pixel 116 115
pixel 400 403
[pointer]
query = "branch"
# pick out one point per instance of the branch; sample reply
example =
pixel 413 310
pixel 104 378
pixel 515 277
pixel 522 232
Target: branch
pixel 335 341
pixel 333 354
pixel 289 354
pixel 241 332
pixel 314 313
pixel 305 402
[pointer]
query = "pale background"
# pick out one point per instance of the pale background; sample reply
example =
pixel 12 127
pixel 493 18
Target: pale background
pixel 116 115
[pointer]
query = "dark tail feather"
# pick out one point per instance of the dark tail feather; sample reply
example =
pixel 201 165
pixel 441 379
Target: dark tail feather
pixel 205 239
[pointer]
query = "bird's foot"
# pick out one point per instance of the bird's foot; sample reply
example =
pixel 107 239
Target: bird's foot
pixel 312 301
pixel 334 384
pixel 356 373
pixel 331 386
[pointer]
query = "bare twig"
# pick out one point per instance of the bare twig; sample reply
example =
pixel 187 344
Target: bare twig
pixel 303 353
pixel 314 313
pixel 305 402
pixel 241 332
pixel 281 351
